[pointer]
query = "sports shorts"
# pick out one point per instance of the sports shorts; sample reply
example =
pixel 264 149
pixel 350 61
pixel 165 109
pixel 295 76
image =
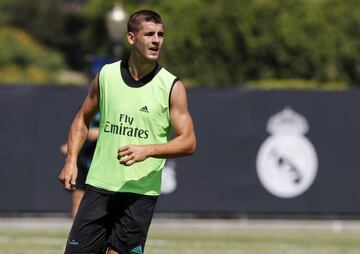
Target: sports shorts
pixel 117 220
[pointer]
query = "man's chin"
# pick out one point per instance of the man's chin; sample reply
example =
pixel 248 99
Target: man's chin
pixel 152 57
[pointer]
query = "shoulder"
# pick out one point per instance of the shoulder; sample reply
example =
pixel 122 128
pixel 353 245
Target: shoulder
pixel 110 66
pixel 178 86
pixel 108 70
pixel 171 81
pixel 168 75
pixel 178 93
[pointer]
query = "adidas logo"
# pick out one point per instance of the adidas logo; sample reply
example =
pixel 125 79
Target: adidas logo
pixel 137 250
pixel 144 109
pixel 73 242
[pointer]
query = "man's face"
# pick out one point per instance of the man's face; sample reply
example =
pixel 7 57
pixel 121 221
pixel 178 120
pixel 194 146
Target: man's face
pixel 148 40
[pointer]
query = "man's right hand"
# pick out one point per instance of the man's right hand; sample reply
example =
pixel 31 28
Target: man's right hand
pixel 68 176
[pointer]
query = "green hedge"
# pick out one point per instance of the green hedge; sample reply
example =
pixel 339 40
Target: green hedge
pixel 218 42
pixel 296 84
pixel 24 60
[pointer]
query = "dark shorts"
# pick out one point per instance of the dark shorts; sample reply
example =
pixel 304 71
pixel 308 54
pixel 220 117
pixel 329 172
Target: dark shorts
pixel 120 221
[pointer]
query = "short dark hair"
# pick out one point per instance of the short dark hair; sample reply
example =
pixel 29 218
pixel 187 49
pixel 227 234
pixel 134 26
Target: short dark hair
pixel 141 16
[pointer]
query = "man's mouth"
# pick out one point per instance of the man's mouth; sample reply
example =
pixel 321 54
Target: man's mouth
pixel 155 49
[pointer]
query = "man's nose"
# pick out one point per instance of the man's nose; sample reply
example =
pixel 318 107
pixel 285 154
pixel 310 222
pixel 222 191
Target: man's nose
pixel 156 39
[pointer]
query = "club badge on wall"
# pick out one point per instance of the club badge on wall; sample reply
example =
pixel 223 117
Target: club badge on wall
pixel 287 162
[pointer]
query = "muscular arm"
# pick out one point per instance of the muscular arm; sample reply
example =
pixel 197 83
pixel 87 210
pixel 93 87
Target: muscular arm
pixel 184 142
pixel 77 135
pixel 93 134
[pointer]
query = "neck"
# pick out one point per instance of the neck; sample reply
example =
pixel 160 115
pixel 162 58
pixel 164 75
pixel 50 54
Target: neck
pixel 140 68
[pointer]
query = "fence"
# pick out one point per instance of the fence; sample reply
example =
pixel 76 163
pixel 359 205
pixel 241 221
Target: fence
pixel 259 152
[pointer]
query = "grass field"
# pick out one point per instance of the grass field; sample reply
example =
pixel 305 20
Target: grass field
pixel 185 236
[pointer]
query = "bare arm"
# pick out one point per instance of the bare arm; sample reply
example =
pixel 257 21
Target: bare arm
pixel 184 142
pixel 77 135
pixel 93 134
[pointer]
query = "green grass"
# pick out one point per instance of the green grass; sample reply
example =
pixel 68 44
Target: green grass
pixel 252 242
pixel 32 241
pixel 187 238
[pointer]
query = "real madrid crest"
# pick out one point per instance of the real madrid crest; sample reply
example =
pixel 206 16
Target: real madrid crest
pixel 287 162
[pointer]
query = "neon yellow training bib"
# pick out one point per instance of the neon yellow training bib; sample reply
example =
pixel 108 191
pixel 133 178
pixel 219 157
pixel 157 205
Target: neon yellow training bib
pixel 132 112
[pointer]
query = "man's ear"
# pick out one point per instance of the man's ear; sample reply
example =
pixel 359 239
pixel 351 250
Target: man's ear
pixel 130 37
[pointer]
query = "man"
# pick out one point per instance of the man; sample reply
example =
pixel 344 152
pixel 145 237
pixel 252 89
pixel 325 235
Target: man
pixel 139 102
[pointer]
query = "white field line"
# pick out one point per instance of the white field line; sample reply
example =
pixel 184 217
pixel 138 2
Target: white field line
pixel 252 224
pixel 186 224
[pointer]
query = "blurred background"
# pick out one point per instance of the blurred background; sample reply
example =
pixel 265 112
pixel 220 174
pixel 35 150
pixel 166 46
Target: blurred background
pixel 273 91
pixel 209 43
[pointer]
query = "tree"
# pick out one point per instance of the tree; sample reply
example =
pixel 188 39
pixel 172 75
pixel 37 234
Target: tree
pixel 214 42
pixel 24 60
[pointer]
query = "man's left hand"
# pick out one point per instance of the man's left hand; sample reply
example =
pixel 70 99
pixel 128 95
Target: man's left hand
pixel 133 153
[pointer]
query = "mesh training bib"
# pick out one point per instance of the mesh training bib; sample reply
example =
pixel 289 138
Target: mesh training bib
pixel 132 112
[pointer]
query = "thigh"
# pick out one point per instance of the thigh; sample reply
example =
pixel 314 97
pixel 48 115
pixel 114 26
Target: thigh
pixel 132 215
pixel 76 198
pixel 90 228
